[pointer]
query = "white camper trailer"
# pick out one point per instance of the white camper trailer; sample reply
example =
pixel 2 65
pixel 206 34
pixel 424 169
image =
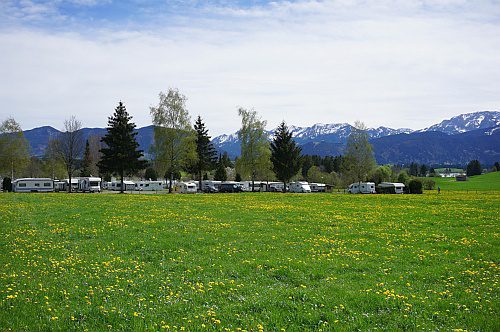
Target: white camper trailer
pixel 116 185
pixel 74 184
pixel 317 187
pixel 362 188
pixel 391 188
pixel 60 185
pixel 89 184
pixel 188 187
pixel 30 185
pixel 300 187
pixel 149 185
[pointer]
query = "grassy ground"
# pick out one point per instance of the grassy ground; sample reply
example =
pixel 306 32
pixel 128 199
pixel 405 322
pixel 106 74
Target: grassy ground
pixel 490 181
pixel 249 262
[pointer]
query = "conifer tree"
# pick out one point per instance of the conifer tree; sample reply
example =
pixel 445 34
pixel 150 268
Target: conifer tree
pixel 285 155
pixel 121 156
pixel 474 168
pixel 220 171
pixel 87 161
pixel 204 149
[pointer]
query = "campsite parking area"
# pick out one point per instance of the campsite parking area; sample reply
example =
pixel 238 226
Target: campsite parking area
pixel 250 261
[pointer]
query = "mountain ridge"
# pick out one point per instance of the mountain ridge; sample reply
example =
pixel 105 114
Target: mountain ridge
pixel 329 139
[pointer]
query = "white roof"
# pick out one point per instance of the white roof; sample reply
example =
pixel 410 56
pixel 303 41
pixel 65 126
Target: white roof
pixel 391 184
pixel 33 179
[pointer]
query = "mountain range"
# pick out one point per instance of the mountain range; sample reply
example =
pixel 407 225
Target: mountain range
pixel 453 141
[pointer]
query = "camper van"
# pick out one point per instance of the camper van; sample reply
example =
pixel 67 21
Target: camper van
pixel 300 187
pixel 116 185
pixel 209 186
pixel 317 187
pixel 149 186
pixel 89 184
pixel 187 187
pixel 275 187
pixel 33 185
pixel 230 187
pixel 362 188
pixel 391 188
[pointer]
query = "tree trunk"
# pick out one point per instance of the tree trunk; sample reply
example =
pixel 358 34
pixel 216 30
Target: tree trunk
pixel 121 186
pixel 284 186
pixel 170 183
pixel 199 181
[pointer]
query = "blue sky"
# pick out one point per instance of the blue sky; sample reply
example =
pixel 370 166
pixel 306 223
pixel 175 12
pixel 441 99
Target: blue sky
pixel 387 62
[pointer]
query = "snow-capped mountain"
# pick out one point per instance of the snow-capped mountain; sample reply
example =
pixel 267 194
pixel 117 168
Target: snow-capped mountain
pixel 467 122
pixel 457 140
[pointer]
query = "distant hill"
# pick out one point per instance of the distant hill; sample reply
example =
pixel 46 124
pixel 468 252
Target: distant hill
pixel 454 141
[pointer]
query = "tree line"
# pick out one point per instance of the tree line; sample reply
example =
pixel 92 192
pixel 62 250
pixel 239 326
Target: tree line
pixel 182 147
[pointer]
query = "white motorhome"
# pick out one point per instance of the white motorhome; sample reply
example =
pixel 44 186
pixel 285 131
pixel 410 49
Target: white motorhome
pixel 149 185
pixel 299 187
pixel 247 185
pixel 74 184
pixel 362 188
pixel 30 185
pixel 127 185
pixel 187 187
pixel 275 186
pixel 317 187
pixel 391 188
pixel 89 184
pixel 210 185
pixel 60 185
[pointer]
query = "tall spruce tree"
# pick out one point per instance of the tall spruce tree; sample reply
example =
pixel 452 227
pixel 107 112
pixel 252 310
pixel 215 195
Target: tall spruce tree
pixel 285 155
pixel 220 171
pixel 205 150
pixel 87 161
pixel 474 168
pixel 121 156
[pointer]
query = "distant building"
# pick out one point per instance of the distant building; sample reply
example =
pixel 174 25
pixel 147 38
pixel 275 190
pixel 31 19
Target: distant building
pixel 461 178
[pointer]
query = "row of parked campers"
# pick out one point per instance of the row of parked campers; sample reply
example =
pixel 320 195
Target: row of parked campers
pixel 83 184
pixel 370 188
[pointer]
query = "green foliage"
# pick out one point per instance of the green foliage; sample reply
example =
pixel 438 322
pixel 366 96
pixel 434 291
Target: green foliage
pixel 150 174
pixel 87 161
pixel 205 151
pixel 358 160
pixel 14 148
pixel 220 171
pixel 415 186
pixel 496 166
pixel 237 178
pixel 254 161
pixel 380 174
pixel 252 262
pixel 474 168
pixel 7 184
pixel 428 184
pixel 175 141
pixel 121 155
pixel 285 154
pixel 403 177
pixel 306 165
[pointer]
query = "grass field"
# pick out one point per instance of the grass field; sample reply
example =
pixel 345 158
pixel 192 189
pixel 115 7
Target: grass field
pixel 255 262
pixel 490 181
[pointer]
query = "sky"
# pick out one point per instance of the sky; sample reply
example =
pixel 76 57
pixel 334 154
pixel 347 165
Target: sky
pixel 401 64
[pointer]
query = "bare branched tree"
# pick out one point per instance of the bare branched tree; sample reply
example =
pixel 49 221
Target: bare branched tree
pixel 70 145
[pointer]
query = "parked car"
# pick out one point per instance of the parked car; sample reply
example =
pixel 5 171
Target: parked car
pixel 210 189
pixel 230 188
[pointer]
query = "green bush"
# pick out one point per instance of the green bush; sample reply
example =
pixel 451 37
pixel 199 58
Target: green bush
pixel 415 186
pixel 428 184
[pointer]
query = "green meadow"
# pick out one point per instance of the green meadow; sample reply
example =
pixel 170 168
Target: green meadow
pixel 485 182
pixel 254 262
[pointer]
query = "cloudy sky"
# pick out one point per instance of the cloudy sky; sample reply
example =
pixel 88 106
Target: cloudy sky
pixel 385 62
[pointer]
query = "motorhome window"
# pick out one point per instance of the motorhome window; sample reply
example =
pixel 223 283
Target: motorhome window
pixel 46 184
pixel 94 183
pixel 37 184
pixel 21 185
pixel 146 185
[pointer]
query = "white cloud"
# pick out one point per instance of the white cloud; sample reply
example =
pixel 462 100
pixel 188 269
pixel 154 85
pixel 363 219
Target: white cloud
pixel 394 63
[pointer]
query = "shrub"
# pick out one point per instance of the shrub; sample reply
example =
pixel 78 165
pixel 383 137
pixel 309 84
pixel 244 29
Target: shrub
pixel 7 184
pixel 428 184
pixel 415 186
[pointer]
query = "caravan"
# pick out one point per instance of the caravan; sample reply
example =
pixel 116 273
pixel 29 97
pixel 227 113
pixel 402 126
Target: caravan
pixel 317 187
pixel 300 187
pixel 391 188
pixel 149 185
pixel 362 188
pixel 30 185
pixel 89 184
pixel 116 185
pixel 188 187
